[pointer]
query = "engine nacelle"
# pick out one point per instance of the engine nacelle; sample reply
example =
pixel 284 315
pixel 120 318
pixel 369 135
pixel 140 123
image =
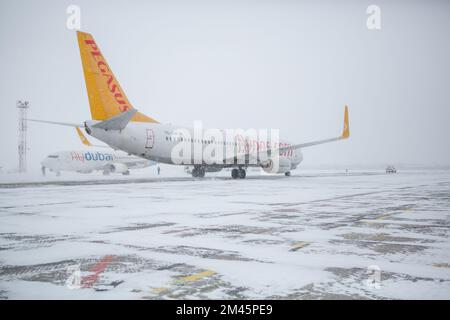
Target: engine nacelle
pixel 284 165
pixel 116 168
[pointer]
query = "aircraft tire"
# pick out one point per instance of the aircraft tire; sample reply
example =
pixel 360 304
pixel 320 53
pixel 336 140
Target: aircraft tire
pixel 198 172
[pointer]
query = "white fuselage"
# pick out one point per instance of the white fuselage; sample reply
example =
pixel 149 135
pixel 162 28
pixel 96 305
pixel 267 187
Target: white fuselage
pixel 86 161
pixel 156 142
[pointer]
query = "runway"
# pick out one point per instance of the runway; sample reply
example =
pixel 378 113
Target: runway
pixel 314 235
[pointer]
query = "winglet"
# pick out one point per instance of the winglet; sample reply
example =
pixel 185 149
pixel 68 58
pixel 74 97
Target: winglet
pixel 346 131
pixel 83 138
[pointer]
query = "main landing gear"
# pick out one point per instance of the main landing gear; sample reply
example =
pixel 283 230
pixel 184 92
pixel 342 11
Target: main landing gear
pixel 238 173
pixel 198 172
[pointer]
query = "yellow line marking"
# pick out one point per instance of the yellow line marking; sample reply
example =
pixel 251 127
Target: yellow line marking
pixel 299 245
pixel 195 276
pixel 441 265
pixel 160 290
pixel 383 217
pixel 192 277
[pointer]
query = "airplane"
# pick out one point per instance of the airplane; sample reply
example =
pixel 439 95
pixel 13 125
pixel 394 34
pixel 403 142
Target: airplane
pixel 118 124
pixel 87 161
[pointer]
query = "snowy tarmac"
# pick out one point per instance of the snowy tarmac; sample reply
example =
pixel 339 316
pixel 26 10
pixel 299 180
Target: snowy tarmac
pixel 314 235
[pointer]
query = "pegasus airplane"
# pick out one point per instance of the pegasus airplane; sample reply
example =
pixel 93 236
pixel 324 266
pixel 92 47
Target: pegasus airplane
pixel 116 123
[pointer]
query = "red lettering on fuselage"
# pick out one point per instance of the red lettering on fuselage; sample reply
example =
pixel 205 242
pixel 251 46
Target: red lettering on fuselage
pixel 250 146
pixel 77 156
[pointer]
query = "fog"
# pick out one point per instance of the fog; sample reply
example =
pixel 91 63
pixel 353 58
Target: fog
pixel 290 65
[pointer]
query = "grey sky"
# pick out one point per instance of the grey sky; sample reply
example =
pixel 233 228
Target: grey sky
pixel 239 64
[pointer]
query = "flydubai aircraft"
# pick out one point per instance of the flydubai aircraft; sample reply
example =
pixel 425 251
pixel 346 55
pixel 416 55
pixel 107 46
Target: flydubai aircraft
pixel 86 161
pixel 116 123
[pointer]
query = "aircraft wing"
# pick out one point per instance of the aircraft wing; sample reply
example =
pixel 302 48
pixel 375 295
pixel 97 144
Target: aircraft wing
pixel 345 135
pixel 265 153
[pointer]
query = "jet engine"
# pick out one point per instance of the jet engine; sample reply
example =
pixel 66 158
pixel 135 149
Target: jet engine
pixel 116 168
pixel 269 166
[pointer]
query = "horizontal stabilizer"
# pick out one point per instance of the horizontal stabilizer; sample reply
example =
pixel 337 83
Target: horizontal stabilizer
pixel 118 122
pixel 68 124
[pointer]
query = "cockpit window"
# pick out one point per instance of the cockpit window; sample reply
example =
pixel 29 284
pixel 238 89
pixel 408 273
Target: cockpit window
pixel 53 156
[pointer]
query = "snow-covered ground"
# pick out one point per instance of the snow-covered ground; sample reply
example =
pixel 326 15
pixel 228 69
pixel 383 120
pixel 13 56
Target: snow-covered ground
pixel 314 235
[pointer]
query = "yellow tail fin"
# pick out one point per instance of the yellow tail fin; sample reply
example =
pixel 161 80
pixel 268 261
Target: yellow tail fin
pixel 106 97
pixel 83 139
